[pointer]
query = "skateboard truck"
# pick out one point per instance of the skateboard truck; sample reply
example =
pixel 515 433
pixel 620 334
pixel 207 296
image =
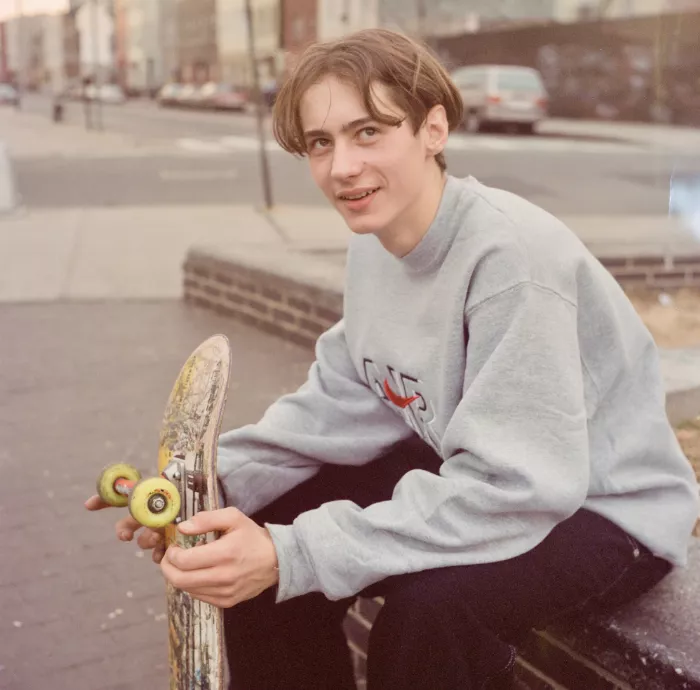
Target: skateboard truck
pixel 175 471
pixel 153 502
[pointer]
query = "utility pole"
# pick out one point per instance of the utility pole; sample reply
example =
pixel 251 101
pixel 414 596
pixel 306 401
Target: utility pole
pixel 20 52
pixel 94 30
pixel 264 163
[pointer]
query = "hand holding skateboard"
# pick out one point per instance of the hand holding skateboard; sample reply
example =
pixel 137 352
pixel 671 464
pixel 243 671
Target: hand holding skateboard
pixel 185 486
pixel 126 527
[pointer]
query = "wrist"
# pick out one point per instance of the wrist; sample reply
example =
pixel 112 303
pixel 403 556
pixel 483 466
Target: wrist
pixel 275 575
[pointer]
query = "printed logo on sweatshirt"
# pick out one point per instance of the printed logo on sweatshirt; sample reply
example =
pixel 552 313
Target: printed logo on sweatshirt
pixel 406 394
pixel 398 400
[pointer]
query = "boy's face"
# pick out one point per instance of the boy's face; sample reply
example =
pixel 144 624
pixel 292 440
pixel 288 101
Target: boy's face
pixel 374 174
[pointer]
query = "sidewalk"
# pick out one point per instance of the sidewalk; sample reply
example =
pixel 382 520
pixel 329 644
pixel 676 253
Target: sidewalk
pixel 83 386
pixel 31 135
pixel 655 136
pixel 137 252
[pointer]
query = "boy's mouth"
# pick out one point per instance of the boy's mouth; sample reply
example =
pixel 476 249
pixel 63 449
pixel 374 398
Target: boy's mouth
pixel 358 195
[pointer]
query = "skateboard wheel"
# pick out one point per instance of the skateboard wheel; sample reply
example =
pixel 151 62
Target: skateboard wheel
pixel 106 480
pixel 154 502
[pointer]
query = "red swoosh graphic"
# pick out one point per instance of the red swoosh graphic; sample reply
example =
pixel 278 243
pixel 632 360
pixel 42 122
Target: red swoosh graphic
pixel 398 400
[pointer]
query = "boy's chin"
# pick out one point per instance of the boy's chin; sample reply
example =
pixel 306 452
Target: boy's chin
pixel 362 226
pixel 369 224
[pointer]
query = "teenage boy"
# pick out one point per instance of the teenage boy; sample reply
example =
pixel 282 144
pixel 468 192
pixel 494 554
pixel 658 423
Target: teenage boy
pixel 482 439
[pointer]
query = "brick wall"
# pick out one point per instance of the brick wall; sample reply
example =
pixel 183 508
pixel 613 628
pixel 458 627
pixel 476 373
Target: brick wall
pixel 655 271
pixel 251 288
pixel 299 299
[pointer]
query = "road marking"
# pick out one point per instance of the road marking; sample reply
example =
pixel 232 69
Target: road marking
pixel 200 145
pixel 176 175
pixel 247 143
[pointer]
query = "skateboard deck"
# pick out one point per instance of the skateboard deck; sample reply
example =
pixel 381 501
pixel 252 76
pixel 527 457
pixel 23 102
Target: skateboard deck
pixel 189 435
pixel 187 483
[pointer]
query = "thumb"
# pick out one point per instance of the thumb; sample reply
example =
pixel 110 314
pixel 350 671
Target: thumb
pixel 223 520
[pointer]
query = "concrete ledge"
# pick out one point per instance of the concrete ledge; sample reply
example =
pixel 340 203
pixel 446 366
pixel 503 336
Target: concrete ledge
pixel 653 644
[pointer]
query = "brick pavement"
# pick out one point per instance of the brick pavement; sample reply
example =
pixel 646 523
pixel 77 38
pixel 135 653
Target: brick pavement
pixel 84 385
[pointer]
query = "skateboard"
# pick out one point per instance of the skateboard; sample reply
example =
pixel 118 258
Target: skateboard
pixel 186 483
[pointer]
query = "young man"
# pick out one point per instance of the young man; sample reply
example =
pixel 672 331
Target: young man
pixel 482 440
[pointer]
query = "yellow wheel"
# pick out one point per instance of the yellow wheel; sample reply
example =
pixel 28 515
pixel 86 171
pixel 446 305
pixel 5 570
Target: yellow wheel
pixel 154 502
pixel 106 480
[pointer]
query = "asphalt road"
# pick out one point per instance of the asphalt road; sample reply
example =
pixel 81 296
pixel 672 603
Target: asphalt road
pixel 209 158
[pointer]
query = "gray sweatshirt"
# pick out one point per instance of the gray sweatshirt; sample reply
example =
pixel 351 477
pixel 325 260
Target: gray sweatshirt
pixel 508 348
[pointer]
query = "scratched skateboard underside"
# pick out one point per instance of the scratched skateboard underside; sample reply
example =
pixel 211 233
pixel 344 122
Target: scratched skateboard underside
pixel 189 433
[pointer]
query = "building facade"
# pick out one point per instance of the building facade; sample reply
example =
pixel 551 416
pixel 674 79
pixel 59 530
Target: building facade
pixel 574 10
pixel 140 54
pixel 197 40
pixel 233 50
pixel 95 24
pixel 299 28
pixel 448 17
pixel 337 18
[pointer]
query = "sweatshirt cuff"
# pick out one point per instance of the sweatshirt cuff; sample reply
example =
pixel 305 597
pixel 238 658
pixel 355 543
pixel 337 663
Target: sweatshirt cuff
pixel 296 576
pixel 222 494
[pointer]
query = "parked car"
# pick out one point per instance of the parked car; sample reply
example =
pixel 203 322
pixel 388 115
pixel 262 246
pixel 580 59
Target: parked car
pixel 169 94
pixel 105 93
pixel 219 96
pixel 501 95
pixel 8 95
pixel 188 96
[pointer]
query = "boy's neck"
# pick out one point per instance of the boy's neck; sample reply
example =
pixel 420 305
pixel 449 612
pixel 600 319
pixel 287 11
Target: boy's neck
pixel 405 234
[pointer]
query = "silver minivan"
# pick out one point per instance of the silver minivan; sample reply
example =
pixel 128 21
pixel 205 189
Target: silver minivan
pixel 504 95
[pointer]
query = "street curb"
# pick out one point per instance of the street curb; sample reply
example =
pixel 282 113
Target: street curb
pixel 298 296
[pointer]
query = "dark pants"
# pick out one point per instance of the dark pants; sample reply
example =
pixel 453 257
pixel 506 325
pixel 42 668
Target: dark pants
pixel 446 628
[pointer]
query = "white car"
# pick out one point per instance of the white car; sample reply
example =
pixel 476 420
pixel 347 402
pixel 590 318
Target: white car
pixel 8 94
pixel 502 95
pixel 105 93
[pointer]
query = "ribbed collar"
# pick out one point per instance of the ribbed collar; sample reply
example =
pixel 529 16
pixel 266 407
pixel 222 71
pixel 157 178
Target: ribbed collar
pixel 436 242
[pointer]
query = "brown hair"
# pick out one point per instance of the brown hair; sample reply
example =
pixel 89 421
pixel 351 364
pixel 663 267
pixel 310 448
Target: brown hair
pixel 414 76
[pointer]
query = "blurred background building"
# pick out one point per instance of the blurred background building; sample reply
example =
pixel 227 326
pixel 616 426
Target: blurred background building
pixel 590 52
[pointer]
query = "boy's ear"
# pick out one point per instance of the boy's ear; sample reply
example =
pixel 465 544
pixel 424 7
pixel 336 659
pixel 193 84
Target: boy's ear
pixel 436 129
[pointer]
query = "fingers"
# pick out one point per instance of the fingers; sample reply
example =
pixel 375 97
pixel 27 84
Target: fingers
pixel 159 552
pixel 95 503
pixel 203 556
pixel 126 528
pixel 221 520
pixel 192 580
pixel 149 539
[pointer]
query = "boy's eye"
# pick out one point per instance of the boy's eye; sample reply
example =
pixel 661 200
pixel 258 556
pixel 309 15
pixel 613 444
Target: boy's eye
pixel 368 132
pixel 319 143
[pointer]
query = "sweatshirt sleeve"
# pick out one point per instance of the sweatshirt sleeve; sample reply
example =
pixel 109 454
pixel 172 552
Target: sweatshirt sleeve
pixel 516 463
pixel 333 418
